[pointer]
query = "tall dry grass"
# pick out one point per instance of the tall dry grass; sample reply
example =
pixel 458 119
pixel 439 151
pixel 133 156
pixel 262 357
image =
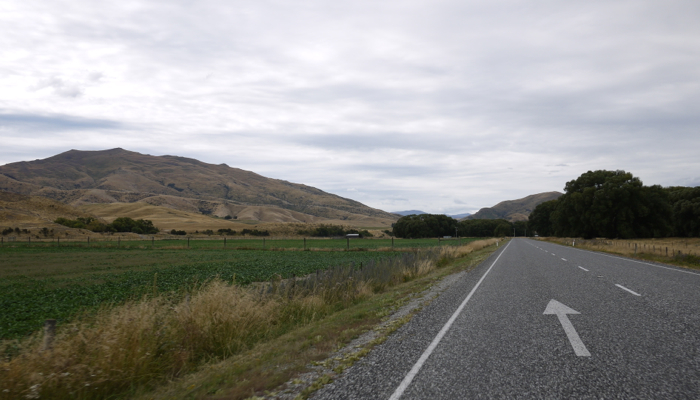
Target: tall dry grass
pixel 120 350
pixel 670 247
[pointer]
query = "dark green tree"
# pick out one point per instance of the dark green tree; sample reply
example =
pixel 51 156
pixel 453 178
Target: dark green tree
pixel 485 228
pixel 685 203
pixel 611 204
pixel 425 225
pixel 539 221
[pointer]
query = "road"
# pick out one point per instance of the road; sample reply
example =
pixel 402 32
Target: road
pixel 540 320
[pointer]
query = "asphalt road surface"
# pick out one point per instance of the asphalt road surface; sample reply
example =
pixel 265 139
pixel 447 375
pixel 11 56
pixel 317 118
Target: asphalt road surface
pixel 539 320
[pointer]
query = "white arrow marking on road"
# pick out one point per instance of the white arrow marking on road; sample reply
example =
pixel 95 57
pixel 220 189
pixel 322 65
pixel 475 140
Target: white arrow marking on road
pixel 583 268
pixel 560 310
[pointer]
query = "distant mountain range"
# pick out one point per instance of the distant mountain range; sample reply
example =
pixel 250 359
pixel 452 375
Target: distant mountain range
pixel 80 178
pixel 515 210
pixel 418 212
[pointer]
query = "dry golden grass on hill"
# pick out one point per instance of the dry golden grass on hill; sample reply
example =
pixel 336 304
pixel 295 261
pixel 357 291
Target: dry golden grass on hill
pixel 36 212
pixel 30 212
pixel 121 176
pixel 167 219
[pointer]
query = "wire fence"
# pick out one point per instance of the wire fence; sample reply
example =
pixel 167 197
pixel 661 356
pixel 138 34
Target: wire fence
pixel 203 242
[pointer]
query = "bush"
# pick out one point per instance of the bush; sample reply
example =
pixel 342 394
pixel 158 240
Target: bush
pixel 332 230
pixel 176 232
pixel 121 224
pixel 254 232
pixel 227 231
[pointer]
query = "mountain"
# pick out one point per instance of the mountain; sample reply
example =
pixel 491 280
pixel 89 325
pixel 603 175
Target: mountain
pixel 79 178
pixel 409 212
pixel 418 212
pixel 460 216
pixel 514 210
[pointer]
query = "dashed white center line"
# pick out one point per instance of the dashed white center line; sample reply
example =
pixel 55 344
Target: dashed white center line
pixel 629 290
pixel 583 268
pixel 564 259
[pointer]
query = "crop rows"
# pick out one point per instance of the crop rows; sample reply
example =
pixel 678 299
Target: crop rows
pixel 27 302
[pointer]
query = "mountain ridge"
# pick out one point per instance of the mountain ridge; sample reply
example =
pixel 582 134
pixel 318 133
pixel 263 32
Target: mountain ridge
pixel 120 176
pixel 514 210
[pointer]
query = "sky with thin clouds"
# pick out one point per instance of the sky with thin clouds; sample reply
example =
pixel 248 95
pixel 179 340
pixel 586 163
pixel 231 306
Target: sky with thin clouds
pixel 445 106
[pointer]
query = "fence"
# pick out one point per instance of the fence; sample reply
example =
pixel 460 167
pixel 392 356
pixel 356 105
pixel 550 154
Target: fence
pixel 203 242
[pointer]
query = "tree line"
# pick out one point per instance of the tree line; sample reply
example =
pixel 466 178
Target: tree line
pixel 121 224
pixel 437 225
pixel 616 204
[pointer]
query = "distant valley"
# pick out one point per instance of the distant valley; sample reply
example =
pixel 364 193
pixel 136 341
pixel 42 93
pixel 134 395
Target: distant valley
pixel 418 212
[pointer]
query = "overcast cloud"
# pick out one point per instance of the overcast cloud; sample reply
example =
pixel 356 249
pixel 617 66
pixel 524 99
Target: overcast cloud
pixel 444 106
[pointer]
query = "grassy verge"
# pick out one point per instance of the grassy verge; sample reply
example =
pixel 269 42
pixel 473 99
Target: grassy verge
pixel 682 252
pixel 223 340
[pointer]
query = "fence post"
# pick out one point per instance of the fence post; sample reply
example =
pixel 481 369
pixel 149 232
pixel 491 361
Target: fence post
pixel 666 251
pixel 224 241
pixel 304 243
pixel 188 242
pixel 635 248
pixel 392 243
pixel 263 243
pixel 58 242
pixel 49 333
pixel 348 239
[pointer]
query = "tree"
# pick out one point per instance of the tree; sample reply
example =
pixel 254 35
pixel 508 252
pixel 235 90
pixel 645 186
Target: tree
pixel 539 221
pixel 685 203
pixel 611 204
pixel 485 228
pixel 425 225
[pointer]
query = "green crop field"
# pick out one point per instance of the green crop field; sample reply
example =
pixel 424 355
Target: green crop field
pixel 39 283
pixel 57 280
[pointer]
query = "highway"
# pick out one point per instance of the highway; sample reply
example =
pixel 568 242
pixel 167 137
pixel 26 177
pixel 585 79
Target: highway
pixel 540 320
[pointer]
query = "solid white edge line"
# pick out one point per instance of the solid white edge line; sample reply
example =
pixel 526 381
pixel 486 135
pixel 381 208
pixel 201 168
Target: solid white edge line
pixel 419 364
pixel 629 290
pixel 583 268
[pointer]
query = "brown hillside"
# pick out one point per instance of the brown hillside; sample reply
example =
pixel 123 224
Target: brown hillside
pixel 121 176
pixel 23 211
pixel 252 217
pixel 514 210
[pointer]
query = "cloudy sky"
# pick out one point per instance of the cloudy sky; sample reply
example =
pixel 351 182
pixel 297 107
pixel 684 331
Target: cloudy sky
pixel 441 105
